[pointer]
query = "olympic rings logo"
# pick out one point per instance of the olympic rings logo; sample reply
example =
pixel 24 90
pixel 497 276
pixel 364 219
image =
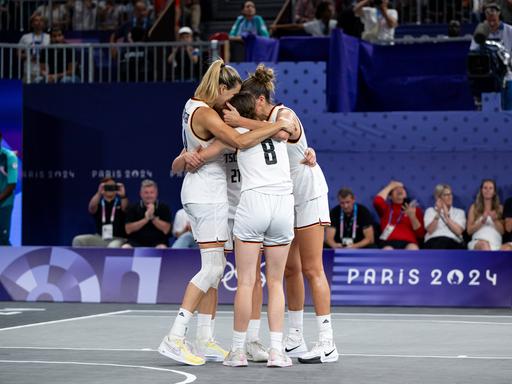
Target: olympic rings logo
pixel 231 273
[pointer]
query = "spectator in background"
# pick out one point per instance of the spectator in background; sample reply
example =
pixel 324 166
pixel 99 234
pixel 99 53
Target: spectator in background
pixel 484 219
pixel 148 222
pixel 8 180
pixel 305 10
pixel 134 30
pixel 34 40
pixel 322 25
pixel 379 21
pixel 506 11
pixel 107 206
pixel 55 15
pixel 454 28
pixel 184 60
pixel 507 216
pixel 351 223
pixel 85 14
pixel 109 15
pixel 401 220
pixel 443 222
pixel 58 65
pixel 140 19
pixel 347 19
pixel 182 231
pixel 191 14
pixel 248 22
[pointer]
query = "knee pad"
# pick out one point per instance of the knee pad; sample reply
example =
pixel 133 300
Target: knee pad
pixel 212 269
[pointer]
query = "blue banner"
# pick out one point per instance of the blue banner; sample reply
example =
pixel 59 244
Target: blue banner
pixel 422 278
pixel 362 277
pixel 140 275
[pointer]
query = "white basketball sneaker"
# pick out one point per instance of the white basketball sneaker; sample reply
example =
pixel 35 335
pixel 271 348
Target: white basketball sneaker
pixel 277 358
pixel 255 351
pixel 294 344
pixel 236 359
pixel 323 352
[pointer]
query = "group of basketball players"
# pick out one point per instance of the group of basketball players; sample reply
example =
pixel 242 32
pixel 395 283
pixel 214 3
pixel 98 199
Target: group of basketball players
pixel 258 184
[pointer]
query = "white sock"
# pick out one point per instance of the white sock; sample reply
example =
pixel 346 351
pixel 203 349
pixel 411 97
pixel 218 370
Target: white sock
pixel 204 329
pixel 253 332
pixel 295 320
pixel 180 325
pixel 212 328
pixel 324 327
pixel 276 340
pixel 238 340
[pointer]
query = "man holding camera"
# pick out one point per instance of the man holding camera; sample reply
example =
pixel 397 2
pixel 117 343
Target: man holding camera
pixel 351 223
pixel 495 29
pixel 107 206
pixel 379 21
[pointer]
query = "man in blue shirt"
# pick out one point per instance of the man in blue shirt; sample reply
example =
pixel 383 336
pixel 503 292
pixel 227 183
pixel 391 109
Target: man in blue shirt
pixel 8 178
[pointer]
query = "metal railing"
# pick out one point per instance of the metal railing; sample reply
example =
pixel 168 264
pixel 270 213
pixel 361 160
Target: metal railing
pixel 437 11
pixel 15 15
pixel 107 63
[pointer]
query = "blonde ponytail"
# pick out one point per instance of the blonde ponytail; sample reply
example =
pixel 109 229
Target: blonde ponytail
pixel 217 74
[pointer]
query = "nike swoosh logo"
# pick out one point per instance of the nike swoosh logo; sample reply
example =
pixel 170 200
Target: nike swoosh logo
pixel 327 354
pixel 291 349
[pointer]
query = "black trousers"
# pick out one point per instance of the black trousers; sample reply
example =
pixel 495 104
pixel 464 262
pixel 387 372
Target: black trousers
pixel 442 242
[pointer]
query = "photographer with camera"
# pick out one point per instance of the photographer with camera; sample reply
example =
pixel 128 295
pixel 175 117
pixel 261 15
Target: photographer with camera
pixel 492 29
pixel 401 220
pixel 351 223
pixel 489 63
pixel 108 207
pixel 379 21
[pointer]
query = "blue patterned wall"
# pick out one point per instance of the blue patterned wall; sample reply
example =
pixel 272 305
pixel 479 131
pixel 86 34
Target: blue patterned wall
pixel 366 150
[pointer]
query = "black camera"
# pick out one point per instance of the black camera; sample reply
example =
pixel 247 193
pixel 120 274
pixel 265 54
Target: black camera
pixel 487 67
pixel 111 187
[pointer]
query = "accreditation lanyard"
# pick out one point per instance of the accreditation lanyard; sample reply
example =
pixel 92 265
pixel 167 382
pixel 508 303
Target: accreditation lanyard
pixel 391 211
pixel 112 214
pixel 36 44
pixel 354 222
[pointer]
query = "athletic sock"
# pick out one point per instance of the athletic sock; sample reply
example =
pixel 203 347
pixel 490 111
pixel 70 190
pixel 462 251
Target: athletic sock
pixel 180 325
pixel 203 332
pixel 212 328
pixel 324 327
pixel 253 332
pixel 296 320
pixel 238 340
pixel 276 340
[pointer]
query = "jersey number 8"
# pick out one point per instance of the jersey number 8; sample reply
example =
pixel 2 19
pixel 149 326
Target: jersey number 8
pixel 268 150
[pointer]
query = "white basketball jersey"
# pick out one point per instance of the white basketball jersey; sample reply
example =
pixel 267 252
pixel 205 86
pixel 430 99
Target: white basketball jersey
pixel 234 182
pixel 265 168
pixel 207 185
pixel 308 182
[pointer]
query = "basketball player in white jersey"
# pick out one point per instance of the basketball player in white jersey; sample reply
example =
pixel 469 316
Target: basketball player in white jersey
pixel 204 196
pixel 263 216
pixel 255 351
pixel 311 215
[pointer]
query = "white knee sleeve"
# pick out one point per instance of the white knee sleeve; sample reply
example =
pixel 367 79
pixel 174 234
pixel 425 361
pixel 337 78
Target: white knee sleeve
pixel 213 263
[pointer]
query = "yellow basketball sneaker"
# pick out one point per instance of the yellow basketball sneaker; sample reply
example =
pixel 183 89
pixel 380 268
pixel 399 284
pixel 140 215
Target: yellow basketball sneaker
pixel 211 350
pixel 178 350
